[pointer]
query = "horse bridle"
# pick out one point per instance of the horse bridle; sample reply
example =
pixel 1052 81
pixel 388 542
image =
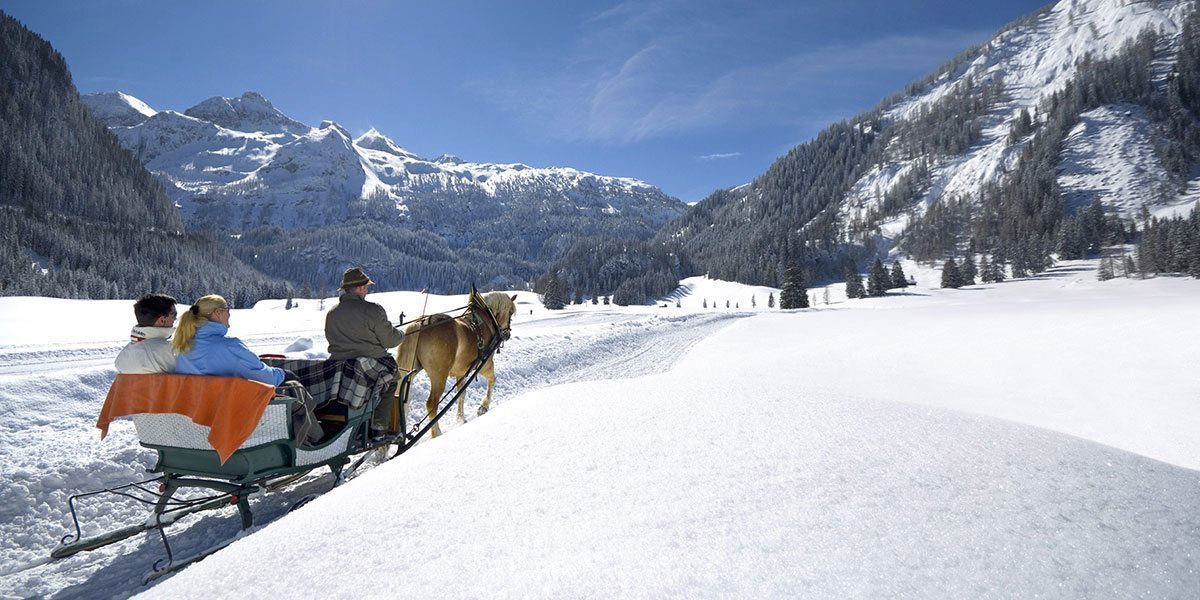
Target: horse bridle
pixel 501 333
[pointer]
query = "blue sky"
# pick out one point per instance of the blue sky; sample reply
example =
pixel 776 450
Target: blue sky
pixel 689 95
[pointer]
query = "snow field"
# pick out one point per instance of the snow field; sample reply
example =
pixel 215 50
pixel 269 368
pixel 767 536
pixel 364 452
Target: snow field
pixel 768 462
pixel 802 453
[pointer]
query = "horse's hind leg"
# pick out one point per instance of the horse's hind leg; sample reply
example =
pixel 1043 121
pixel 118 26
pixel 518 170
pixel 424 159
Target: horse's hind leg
pixel 489 373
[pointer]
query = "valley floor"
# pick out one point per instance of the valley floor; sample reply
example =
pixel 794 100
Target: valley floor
pixel 1034 437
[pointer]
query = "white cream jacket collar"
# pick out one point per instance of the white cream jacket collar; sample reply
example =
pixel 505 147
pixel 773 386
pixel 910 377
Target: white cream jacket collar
pixel 140 333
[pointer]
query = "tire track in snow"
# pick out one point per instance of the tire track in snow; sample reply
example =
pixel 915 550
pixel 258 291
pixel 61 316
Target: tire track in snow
pixel 612 351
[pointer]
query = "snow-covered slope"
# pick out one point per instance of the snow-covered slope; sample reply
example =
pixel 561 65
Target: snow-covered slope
pixel 1110 155
pixel 1039 56
pixel 702 292
pixel 1033 59
pixel 235 163
pixel 118 109
pixel 1183 204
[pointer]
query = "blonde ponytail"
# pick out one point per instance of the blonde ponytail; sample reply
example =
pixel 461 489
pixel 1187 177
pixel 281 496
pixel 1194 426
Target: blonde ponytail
pixel 193 319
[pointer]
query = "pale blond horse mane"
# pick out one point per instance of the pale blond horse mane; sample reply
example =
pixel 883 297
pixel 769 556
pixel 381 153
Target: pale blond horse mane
pixel 502 307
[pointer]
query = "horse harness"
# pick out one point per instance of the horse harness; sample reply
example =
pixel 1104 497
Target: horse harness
pixel 475 324
pixel 473 321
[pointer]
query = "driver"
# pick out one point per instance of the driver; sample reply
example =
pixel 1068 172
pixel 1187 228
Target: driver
pixel 356 328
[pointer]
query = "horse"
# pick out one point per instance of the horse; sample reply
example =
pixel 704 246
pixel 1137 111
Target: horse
pixel 448 347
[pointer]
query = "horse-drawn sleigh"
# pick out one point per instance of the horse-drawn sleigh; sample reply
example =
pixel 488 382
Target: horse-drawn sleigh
pixel 220 440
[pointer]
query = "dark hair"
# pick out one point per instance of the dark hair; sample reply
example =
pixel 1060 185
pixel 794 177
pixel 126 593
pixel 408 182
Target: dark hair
pixel 150 307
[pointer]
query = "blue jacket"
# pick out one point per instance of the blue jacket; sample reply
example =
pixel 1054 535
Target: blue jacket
pixel 214 354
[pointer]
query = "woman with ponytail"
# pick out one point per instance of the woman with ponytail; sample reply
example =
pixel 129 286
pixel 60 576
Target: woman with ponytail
pixel 204 349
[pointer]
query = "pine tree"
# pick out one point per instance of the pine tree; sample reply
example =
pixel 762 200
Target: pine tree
pixel 793 294
pixel 825 294
pixel 771 300
pixel 950 274
pixel 967 272
pixel 854 284
pixel 1194 253
pixel 985 270
pixel 607 300
pixel 1130 268
pixel 1106 269
pixel 553 297
pixel 753 303
pixel 899 280
pixel 726 304
pixel 878 281
pixel 704 303
pixel 999 265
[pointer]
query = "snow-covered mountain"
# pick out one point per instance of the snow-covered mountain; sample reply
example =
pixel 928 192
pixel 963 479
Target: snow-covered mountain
pixel 249 112
pixel 1035 58
pixel 1083 100
pixel 237 163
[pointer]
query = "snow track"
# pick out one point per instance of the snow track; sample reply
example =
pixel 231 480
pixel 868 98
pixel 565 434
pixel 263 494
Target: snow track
pixel 632 349
pixel 42 358
pixel 635 356
pixel 21 359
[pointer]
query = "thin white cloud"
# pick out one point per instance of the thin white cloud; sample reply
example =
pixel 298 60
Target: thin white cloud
pixel 720 156
pixel 647 69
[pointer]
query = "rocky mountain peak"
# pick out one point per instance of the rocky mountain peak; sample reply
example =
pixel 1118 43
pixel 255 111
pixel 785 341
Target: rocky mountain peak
pixel 249 112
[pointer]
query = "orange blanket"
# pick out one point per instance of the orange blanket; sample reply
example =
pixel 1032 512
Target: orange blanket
pixel 231 406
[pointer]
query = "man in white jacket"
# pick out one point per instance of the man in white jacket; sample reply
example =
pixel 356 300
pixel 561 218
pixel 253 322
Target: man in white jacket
pixel 149 349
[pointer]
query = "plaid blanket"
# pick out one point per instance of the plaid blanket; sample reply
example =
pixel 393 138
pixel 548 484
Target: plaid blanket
pixel 352 382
